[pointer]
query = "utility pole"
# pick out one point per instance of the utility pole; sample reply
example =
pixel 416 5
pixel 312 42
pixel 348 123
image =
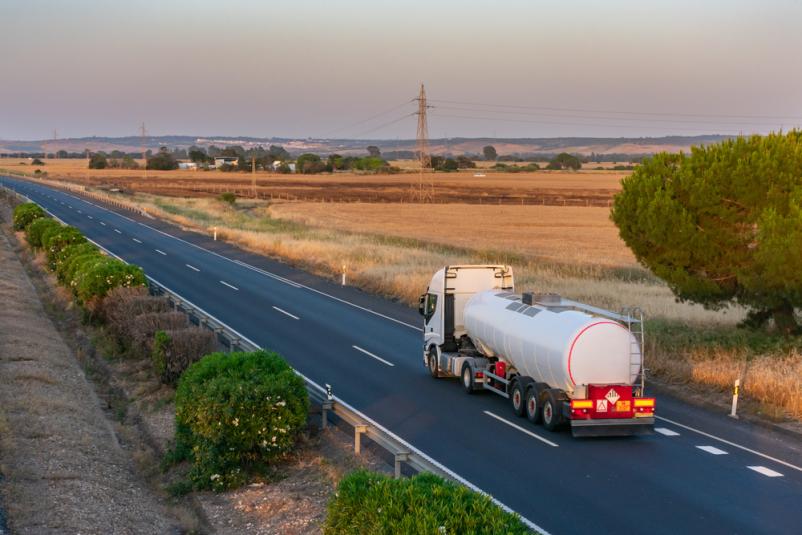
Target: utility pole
pixel 143 133
pixel 423 142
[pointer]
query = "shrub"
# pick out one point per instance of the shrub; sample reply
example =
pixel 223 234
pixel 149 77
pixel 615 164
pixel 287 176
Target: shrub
pixel 235 413
pixel 36 229
pixel 121 305
pixel 371 503
pixel 74 266
pixel 139 331
pixel 25 214
pixel 95 279
pixel 175 350
pixel 63 257
pixel 55 239
pixel 227 197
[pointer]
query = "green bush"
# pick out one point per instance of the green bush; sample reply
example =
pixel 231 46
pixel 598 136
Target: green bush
pixel 63 257
pixel 36 229
pixel 75 265
pixel 235 413
pixel 25 214
pixel 95 279
pixel 55 239
pixel 227 197
pixel 371 503
pixel 175 350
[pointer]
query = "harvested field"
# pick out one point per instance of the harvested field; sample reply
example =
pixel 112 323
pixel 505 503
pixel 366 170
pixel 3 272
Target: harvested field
pixel 559 234
pixel 557 188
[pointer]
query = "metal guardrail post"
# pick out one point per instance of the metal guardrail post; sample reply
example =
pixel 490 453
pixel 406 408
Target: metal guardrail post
pixel 400 457
pixel 358 430
pixel 325 407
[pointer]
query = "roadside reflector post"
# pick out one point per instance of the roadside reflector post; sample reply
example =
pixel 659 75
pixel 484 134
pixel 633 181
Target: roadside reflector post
pixel 400 457
pixel 358 430
pixel 344 274
pixel 214 229
pixel 735 390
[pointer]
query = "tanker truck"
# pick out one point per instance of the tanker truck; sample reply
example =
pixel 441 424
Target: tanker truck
pixel 559 362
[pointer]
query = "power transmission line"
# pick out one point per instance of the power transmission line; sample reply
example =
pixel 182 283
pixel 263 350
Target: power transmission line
pixel 622 112
pixel 368 119
pixel 383 125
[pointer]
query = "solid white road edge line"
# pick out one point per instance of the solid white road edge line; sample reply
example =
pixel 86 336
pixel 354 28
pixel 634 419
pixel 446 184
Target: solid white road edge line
pixel 368 353
pixel 712 450
pixel 193 268
pixel 768 472
pixel 521 429
pixel 293 316
pixel 160 252
pixel 224 283
pixel 733 444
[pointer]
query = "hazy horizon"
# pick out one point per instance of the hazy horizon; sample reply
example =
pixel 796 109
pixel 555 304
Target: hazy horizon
pixel 351 69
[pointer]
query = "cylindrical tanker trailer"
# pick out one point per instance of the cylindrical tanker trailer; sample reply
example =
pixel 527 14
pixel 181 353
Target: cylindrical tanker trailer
pixel 557 361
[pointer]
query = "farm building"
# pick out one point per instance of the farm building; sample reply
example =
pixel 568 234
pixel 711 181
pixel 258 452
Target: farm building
pixel 220 160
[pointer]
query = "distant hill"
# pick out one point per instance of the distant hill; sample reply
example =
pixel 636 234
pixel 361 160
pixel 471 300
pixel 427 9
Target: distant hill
pixel 504 146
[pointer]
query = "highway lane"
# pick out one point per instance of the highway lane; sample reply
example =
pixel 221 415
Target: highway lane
pixel 662 484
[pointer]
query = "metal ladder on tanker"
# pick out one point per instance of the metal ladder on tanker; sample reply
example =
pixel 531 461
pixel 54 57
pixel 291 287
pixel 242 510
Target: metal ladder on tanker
pixel 634 320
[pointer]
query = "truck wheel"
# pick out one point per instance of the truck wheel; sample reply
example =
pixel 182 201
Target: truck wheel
pixel 532 405
pixel 433 368
pixel 551 412
pixel 518 398
pixel 467 378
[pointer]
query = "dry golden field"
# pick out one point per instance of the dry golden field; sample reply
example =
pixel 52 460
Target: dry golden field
pixel 557 188
pixel 553 233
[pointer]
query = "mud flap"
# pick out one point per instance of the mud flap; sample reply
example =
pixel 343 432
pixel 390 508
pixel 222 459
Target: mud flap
pixel 612 427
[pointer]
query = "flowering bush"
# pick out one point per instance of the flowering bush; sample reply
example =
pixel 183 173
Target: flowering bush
pixel 235 413
pixel 55 239
pixel 368 502
pixel 94 279
pixel 25 214
pixel 36 229
pixel 63 257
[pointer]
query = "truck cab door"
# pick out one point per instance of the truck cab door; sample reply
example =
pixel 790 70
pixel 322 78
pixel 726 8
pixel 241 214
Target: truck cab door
pixel 433 318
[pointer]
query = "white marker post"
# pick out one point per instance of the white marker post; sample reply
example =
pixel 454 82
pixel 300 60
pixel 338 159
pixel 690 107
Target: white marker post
pixel 735 398
pixel 215 233
pixel 343 274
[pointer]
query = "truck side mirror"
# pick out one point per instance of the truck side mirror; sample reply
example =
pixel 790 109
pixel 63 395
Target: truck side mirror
pixel 422 305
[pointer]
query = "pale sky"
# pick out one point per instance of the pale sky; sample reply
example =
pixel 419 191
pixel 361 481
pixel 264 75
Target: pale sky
pixel 505 68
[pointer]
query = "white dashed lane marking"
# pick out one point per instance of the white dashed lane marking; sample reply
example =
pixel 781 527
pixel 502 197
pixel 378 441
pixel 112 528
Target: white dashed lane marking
pixel 368 353
pixel 160 252
pixel 136 240
pixel 768 472
pixel 712 450
pixel 665 431
pixel 117 231
pixel 224 283
pixel 193 268
pixel 293 316
pixel 522 430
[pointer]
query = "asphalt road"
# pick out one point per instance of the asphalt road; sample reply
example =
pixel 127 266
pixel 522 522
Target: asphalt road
pixel 700 473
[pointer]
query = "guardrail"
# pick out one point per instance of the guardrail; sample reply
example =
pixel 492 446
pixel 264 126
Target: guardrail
pixel 402 451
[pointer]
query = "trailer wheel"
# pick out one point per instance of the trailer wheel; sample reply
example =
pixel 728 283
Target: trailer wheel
pixel 518 398
pixel 467 378
pixel 551 412
pixel 432 361
pixel 532 404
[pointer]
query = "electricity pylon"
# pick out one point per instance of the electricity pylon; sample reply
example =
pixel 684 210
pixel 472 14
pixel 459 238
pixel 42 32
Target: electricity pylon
pixel 424 157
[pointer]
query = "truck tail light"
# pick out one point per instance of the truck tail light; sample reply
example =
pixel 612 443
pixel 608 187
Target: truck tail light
pixel 581 404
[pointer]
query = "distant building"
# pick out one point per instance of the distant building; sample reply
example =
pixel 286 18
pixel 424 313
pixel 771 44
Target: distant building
pixel 220 160
pixel 187 165
pixel 277 164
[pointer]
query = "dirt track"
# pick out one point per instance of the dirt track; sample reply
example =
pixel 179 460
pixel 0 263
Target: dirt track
pixel 64 469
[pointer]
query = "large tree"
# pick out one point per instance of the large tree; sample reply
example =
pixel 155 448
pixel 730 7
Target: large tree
pixel 722 225
pixel 489 152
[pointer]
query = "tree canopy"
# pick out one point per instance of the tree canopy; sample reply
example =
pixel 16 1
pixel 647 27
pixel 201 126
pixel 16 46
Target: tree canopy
pixel 163 160
pixel 489 152
pixel 722 225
